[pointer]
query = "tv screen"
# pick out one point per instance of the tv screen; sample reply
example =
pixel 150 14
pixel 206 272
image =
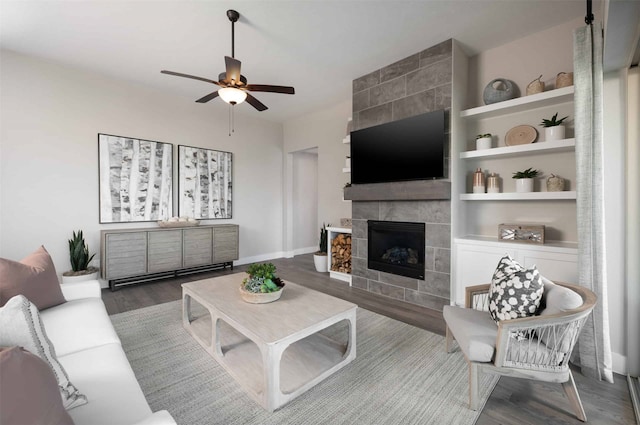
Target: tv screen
pixel 408 149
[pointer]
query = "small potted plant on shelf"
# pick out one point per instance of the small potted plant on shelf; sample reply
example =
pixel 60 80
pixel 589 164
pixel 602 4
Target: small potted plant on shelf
pixel 553 128
pixel 483 141
pixel 262 285
pixel 320 256
pixel 80 259
pixel 524 180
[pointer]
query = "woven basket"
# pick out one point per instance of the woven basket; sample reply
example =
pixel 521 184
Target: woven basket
pixel 536 86
pixel 564 79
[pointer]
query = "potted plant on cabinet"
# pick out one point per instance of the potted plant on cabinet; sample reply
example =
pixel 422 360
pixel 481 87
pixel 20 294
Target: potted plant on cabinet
pixel 553 128
pixel 524 180
pixel 320 256
pixel 483 141
pixel 80 259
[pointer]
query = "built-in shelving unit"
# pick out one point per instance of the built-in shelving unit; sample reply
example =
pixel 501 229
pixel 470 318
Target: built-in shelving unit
pixel 565 145
pixel 332 232
pixel 521 104
pixel 516 196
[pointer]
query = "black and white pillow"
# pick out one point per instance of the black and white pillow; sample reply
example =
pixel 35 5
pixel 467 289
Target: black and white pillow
pixel 515 291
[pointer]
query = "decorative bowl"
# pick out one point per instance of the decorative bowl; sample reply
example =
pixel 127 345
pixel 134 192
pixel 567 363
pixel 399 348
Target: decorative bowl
pixel 261 297
pixel 178 223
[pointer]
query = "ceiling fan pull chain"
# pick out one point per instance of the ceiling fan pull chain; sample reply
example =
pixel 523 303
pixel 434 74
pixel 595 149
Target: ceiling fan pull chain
pixel 229 120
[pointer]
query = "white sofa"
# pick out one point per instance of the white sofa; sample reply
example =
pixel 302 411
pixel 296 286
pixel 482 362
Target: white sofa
pixel 89 349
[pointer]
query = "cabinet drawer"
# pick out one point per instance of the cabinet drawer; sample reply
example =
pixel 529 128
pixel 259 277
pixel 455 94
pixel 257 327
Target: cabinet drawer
pixel 197 247
pixel 125 255
pixel 225 237
pixel 165 251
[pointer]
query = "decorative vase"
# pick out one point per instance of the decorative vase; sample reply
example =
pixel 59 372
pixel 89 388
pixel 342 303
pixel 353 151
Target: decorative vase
pixel 478 181
pixel 524 185
pixel 320 261
pixel 554 133
pixel 498 90
pixel 483 143
pixel 555 183
pixel 493 183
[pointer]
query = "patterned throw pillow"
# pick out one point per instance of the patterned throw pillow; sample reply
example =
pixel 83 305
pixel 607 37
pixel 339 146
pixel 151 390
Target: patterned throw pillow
pixel 20 325
pixel 515 291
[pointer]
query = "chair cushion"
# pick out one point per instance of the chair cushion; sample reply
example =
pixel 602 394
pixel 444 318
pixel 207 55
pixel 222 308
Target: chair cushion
pixel 557 299
pixel 20 325
pixel 29 390
pixel 474 330
pixel 34 277
pixel 515 291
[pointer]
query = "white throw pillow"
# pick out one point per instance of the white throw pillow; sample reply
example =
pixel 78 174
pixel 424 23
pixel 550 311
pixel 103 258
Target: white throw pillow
pixel 20 325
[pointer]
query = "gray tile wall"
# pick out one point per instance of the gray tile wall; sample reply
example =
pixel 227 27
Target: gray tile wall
pixel 417 84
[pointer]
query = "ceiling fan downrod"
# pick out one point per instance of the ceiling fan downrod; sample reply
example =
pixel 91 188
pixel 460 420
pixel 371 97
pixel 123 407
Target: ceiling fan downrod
pixel 233 17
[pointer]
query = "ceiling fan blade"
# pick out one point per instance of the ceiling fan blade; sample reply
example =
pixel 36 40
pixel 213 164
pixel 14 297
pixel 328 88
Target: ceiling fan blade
pixel 233 69
pixel 270 89
pixel 208 97
pixel 179 74
pixel 256 103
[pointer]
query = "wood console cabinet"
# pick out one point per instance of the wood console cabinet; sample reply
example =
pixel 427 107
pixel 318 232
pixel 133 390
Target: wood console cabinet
pixel 128 255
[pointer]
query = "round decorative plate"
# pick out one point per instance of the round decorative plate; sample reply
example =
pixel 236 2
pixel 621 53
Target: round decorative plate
pixel 521 135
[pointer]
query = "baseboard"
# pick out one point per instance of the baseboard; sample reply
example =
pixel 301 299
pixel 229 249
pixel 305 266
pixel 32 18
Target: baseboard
pixel 619 363
pixel 258 258
pixel 634 393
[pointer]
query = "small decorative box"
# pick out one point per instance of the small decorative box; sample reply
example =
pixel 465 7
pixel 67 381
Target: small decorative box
pixel 529 233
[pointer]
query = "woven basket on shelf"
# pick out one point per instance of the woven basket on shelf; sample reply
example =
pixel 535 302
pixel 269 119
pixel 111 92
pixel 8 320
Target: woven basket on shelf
pixel 536 86
pixel 564 79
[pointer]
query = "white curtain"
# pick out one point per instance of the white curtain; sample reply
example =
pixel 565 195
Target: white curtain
pixel 594 345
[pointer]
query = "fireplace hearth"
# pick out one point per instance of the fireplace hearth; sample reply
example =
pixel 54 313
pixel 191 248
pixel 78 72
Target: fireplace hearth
pixel 396 247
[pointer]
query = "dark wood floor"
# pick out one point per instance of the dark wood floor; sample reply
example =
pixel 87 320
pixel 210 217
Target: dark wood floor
pixel 513 401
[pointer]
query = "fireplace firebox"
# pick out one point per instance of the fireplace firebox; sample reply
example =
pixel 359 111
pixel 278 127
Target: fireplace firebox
pixel 396 247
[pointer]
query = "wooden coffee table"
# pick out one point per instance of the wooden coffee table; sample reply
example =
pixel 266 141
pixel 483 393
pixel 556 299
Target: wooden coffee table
pixel 274 350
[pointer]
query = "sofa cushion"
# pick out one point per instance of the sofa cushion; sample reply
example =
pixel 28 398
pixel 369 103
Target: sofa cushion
pixel 105 376
pixel 474 330
pixel 515 291
pixel 20 325
pixel 34 277
pixel 78 325
pixel 29 390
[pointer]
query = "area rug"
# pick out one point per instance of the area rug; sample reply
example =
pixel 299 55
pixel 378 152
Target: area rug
pixel 401 375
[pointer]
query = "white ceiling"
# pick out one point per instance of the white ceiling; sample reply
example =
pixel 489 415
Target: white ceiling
pixel 318 47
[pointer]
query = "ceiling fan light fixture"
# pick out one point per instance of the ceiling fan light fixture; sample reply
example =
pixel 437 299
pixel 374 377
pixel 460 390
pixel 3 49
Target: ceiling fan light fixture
pixel 232 95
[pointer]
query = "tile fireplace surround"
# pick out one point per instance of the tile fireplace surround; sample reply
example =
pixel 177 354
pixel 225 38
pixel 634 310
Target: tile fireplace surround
pixel 417 84
pixel 433 291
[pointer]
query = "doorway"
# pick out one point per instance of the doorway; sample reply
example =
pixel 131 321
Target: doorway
pixel 304 201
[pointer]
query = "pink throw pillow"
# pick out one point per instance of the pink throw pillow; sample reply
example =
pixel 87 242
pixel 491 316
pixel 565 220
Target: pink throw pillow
pixel 30 393
pixel 34 277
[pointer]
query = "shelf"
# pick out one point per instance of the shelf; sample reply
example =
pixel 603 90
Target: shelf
pixel 347 140
pixel 570 247
pixel 520 104
pixel 515 196
pixel 346 170
pixel 564 145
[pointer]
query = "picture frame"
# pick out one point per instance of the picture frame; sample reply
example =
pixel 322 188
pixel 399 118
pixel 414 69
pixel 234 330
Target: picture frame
pixel 135 179
pixel 205 183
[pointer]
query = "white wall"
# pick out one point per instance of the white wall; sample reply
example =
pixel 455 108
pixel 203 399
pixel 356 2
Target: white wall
pixel 324 129
pixel 49 156
pixel 305 201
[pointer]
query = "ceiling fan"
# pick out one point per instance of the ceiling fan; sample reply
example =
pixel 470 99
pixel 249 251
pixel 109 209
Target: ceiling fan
pixel 233 85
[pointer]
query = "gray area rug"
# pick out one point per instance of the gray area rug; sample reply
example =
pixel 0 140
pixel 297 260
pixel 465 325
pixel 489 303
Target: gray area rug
pixel 401 375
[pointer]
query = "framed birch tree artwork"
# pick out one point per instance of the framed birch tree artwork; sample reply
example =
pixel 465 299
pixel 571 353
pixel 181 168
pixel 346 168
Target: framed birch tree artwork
pixel 135 179
pixel 204 183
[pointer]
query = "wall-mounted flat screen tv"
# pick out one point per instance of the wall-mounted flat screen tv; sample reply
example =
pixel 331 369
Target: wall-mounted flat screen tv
pixel 408 149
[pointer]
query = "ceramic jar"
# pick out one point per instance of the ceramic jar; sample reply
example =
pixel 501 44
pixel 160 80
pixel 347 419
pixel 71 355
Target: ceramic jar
pixel 524 185
pixel 478 181
pixel 493 183
pixel 554 133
